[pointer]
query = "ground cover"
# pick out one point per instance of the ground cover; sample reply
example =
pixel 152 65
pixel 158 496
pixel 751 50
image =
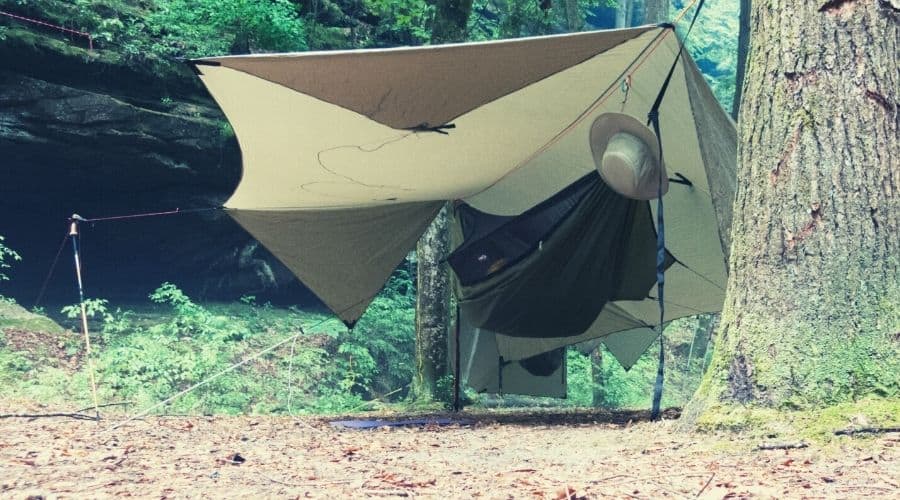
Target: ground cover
pixel 502 454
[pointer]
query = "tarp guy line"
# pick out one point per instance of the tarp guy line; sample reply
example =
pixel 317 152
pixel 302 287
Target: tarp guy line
pixel 252 357
pixel 54 26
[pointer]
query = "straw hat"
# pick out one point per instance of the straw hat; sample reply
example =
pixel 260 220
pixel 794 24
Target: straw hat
pixel 627 155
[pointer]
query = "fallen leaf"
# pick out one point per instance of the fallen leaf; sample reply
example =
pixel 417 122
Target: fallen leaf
pixel 568 493
pixel 233 459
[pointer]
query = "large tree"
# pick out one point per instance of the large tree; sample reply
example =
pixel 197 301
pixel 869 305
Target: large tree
pixel 450 20
pixel 656 11
pixel 624 9
pixel 433 278
pixel 432 307
pixel 812 308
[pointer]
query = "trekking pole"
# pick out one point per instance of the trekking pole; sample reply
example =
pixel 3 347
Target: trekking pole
pixel 73 233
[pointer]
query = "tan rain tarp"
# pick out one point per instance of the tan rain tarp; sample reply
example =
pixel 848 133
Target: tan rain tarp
pixel 347 156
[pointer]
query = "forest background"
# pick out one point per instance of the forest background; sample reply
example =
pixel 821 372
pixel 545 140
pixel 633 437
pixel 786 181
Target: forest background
pixel 147 351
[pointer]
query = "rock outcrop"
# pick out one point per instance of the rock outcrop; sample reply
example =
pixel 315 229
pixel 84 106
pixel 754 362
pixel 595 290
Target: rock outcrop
pixel 83 131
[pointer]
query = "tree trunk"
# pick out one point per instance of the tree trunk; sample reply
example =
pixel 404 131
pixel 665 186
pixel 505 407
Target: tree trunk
pixel 451 18
pixel 597 383
pixel 433 280
pixel 743 46
pixel 656 11
pixel 574 18
pixel 812 309
pixel 432 308
pixel 623 11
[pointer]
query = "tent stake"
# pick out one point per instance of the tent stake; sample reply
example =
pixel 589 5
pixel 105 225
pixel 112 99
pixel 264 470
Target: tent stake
pixel 73 233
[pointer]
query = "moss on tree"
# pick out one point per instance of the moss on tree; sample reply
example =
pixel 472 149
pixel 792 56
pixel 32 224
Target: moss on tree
pixel 811 320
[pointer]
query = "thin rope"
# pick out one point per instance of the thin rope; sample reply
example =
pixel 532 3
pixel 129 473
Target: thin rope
pixel 49 25
pixel 711 282
pixel 177 211
pixel 258 354
pixel 65 237
pixel 684 11
pixel 640 63
pixel 231 368
pixel 40 295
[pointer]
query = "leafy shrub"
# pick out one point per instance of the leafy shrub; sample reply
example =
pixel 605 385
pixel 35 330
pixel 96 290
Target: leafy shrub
pixel 401 22
pixel 13 365
pixel 94 308
pixel 6 255
pixel 383 341
pixel 686 355
pixel 195 28
pixel 327 369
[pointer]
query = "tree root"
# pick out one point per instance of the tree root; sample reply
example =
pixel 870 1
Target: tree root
pixel 782 446
pixel 866 430
pixel 76 416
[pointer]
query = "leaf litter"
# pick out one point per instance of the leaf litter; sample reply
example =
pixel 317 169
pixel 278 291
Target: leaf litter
pixel 532 455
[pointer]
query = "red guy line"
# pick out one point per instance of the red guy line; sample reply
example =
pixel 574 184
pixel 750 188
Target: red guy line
pixel 43 23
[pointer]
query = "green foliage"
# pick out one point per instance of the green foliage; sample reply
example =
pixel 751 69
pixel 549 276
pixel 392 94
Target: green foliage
pixel 153 33
pixel 378 352
pixel 443 390
pixel 326 369
pixel 94 308
pixel 713 45
pixel 493 19
pixel 580 379
pixel 401 22
pixel 524 18
pixel 686 354
pixel 195 28
pixel 13 366
pixel 190 319
pixel 7 255
pixel 160 31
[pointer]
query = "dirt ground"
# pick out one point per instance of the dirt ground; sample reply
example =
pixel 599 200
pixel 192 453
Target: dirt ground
pixel 531 455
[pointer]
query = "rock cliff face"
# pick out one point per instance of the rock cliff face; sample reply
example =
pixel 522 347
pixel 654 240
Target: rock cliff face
pixel 81 132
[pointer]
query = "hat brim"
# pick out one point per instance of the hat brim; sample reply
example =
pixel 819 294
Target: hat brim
pixel 610 124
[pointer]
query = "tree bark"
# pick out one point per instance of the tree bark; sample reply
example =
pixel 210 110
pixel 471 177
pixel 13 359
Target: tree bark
pixel 743 47
pixel 656 11
pixel 623 13
pixel 574 17
pixel 432 308
pixel 812 309
pixel 433 278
